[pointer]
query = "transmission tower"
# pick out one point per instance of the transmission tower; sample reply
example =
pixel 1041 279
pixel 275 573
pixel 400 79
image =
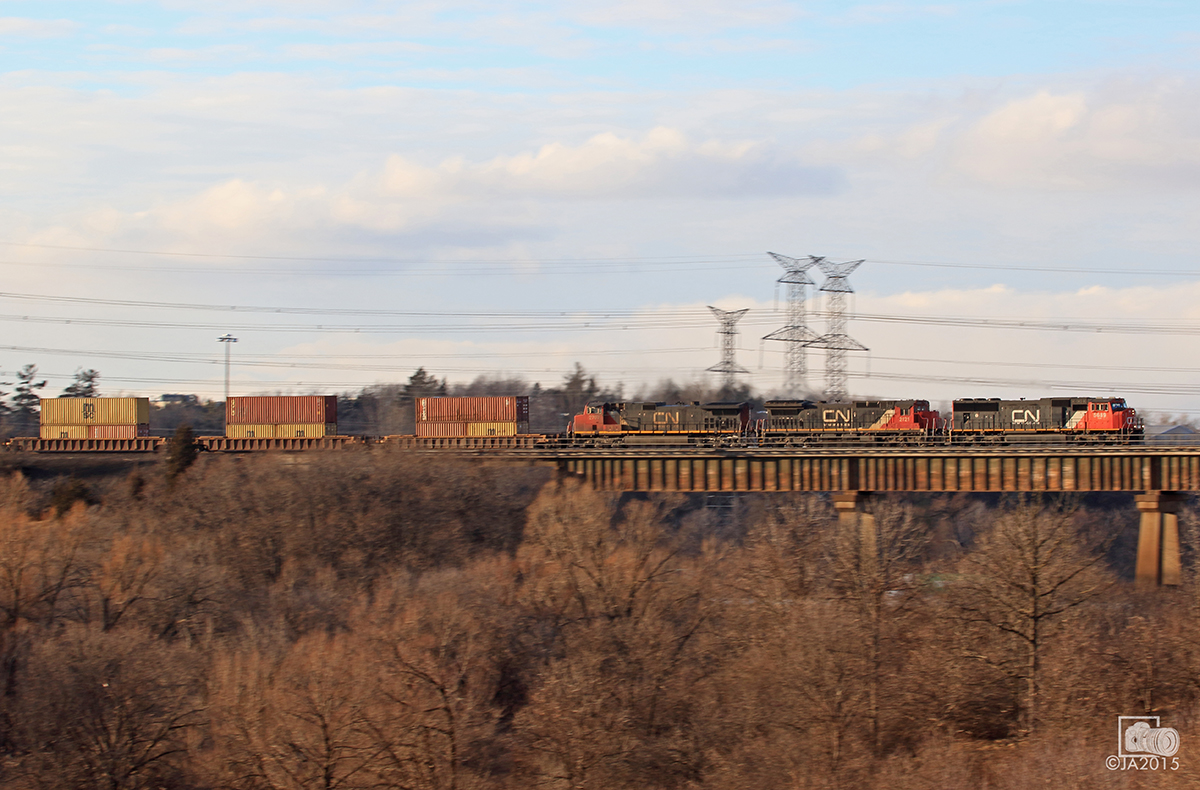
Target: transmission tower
pixel 796 333
pixel 728 366
pixel 836 342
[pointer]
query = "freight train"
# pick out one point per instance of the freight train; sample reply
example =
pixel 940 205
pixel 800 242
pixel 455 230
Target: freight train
pixel 813 423
pixel 310 422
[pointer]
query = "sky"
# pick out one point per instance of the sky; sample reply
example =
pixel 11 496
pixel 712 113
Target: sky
pixel 357 189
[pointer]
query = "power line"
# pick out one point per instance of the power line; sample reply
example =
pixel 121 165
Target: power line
pixel 154 304
pixel 403 360
pixel 683 259
pixel 1088 387
pixel 608 322
pixel 684 318
pixel 724 261
pixel 336 361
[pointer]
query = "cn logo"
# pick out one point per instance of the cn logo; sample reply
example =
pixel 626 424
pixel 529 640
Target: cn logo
pixel 1021 416
pixel 835 415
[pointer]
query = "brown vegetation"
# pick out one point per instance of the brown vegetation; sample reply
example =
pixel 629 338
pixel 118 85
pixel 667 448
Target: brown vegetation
pixel 372 620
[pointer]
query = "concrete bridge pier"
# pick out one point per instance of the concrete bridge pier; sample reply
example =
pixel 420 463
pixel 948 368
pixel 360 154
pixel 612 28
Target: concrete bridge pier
pixel 1158 559
pixel 855 517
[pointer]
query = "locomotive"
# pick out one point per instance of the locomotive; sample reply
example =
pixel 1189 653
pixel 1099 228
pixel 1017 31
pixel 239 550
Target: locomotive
pixel 809 423
pixel 661 423
pixel 792 421
pixel 1066 417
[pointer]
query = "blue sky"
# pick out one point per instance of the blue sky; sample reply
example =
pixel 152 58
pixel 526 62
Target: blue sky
pixel 994 160
pixel 653 45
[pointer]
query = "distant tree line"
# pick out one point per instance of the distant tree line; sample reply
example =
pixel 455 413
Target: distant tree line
pixel 19 408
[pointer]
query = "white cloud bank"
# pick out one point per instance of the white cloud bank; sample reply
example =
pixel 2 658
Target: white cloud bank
pixel 403 195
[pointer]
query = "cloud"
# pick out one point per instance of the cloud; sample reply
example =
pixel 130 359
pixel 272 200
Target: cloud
pixel 663 163
pixel 339 52
pixel 486 200
pixel 1087 141
pixel 673 17
pixel 882 13
pixel 217 53
pixel 36 28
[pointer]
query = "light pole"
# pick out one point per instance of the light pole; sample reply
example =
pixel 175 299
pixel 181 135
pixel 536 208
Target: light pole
pixel 227 339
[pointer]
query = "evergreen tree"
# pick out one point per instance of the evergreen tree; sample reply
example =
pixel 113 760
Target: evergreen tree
pixel 578 388
pixel 423 385
pixel 84 385
pixel 181 452
pixel 25 400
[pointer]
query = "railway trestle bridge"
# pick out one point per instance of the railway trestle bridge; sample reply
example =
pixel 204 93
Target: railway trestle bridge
pixel 1160 476
pixel 1160 479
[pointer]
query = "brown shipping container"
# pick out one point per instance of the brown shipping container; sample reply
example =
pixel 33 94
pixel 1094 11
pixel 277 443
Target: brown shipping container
pixel 117 431
pixel 503 409
pixel 442 430
pixel 281 410
pixel 95 411
pixel 64 431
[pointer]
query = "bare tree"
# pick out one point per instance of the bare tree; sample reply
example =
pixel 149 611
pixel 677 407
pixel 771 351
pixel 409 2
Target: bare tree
pixel 436 654
pixel 873 569
pixel 623 611
pixel 39 561
pixel 110 711
pixel 1020 581
pixel 125 577
pixel 294 722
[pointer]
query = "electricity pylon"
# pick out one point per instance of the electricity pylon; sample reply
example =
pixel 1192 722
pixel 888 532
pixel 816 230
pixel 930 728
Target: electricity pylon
pixel 796 332
pixel 728 366
pixel 836 342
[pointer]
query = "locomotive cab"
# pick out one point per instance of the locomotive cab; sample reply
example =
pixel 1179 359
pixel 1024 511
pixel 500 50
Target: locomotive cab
pixel 914 416
pixel 597 418
pixel 1108 415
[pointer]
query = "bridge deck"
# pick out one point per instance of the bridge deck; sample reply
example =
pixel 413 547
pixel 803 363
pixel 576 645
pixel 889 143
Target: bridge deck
pixel 934 470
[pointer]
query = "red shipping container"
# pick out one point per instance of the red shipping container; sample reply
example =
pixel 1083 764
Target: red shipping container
pixel 117 431
pixel 279 409
pixel 508 408
pixel 442 430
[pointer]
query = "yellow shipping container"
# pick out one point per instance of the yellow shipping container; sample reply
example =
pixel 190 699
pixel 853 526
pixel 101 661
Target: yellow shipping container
pixel 306 430
pixel 314 430
pixel 250 431
pixel 491 429
pixel 95 411
pixel 64 431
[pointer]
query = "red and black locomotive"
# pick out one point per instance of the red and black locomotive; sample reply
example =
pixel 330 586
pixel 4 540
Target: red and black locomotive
pixel 804 422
